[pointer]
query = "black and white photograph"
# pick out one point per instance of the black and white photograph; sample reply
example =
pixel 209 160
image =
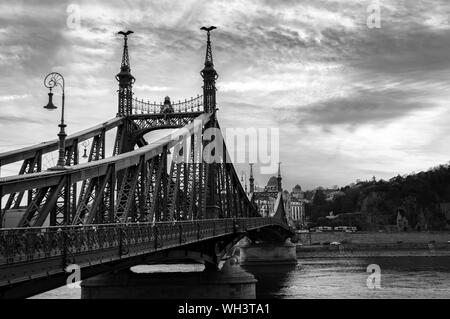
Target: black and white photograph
pixel 219 156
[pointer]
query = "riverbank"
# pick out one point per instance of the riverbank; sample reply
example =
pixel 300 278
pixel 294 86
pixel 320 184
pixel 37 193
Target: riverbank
pixel 372 250
pixel 361 237
pixel 372 244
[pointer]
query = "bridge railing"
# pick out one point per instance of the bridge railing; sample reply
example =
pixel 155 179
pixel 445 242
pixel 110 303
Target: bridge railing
pixel 18 245
pixel 195 104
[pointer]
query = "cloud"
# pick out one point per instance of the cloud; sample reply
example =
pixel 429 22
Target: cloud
pixel 17 120
pixel 344 96
pixel 361 108
pixel 151 88
pixel 4 98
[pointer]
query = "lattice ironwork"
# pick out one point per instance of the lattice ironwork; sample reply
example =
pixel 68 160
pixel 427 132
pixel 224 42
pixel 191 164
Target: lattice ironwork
pixel 144 191
pixel 149 123
pixel 126 192
pixel 41 206
pixel 194 104
pixel 29 165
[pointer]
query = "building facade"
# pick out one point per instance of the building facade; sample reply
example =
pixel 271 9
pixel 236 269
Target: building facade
pixel 298 212
pixel 266 199
pixel 295 204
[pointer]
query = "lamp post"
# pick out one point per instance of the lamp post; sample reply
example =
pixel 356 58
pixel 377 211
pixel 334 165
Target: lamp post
pixel 51 80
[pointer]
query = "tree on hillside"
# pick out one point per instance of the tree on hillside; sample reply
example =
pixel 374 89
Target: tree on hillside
pixel 319 198
pixel 420 194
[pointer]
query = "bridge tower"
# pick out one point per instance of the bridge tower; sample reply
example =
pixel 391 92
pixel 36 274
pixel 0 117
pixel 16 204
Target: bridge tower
pixel 280 188
pixel 125 79
pixel 252 180
pixel 209 75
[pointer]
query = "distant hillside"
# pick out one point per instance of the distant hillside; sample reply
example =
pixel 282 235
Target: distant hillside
pixel 422 198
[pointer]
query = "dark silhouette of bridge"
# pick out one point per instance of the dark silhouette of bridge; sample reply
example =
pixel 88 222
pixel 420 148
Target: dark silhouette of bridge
pixel 136 206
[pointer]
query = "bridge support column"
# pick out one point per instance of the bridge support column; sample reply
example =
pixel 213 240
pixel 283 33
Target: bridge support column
pixel 267 253
pixel 229 283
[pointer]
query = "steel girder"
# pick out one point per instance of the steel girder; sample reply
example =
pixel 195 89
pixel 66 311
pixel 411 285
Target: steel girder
pixel 139 125
pixel 90 188
pixel 33 164
pixel 49 146
pixel 92 206
pixel 30 165
pixel 183 192
pixel 42 204
pixel 146 191
pixel 126 193
pixel 119 141
pixel 174 185
pixel 65 210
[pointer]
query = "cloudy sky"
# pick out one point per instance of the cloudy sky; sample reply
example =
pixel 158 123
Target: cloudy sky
pixel 350 101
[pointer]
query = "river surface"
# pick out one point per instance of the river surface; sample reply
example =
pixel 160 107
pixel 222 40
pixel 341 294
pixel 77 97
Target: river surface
pixel 397 277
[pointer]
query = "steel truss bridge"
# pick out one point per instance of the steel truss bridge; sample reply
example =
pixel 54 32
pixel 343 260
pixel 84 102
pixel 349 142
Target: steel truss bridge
pixel 136 206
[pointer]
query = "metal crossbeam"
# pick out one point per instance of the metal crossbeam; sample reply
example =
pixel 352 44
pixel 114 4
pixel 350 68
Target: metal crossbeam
pixel 136 184
pixel 30 165
pixel 125 196
pixel 38 210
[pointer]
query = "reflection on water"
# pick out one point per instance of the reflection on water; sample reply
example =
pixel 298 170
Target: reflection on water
pixel 401 277
pixel 271 278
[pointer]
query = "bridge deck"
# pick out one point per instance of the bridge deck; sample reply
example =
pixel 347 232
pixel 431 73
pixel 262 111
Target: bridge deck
pixel 32 253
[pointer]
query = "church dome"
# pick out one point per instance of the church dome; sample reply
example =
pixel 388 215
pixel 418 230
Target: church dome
pixel 297 188
pixel 272 182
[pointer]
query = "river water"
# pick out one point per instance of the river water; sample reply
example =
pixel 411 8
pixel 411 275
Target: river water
pixel 399 277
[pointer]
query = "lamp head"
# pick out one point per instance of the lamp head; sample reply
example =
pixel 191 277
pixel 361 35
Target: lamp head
pixel 50 105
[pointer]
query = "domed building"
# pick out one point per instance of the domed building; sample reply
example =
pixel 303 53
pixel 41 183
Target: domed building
pixel 297 192
pixel 294 203
pixel 267 200
pixel 272 185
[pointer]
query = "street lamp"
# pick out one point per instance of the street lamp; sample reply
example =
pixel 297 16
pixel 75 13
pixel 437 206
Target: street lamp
pixel 51 80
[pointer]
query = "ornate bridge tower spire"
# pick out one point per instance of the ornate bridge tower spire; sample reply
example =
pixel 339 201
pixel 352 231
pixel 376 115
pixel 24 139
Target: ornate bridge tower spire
pixel 209 75
pixel 251 179
pixel 125 79
pixel 279 178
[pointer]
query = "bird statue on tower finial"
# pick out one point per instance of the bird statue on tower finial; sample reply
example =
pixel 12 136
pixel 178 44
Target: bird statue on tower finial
pixel 208 29
pixel 208 58
pixel 125 33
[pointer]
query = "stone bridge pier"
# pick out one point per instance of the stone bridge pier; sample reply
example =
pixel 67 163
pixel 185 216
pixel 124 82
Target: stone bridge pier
pixel 267 253
pixel 222 277
pixel 230 282
pixel 265 247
